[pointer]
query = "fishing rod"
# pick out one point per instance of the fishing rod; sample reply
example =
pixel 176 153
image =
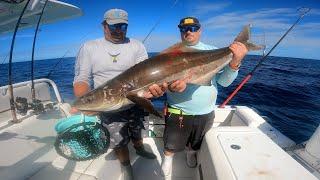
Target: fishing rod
pixel 5 58
pixel 12 103
pixel 156 24
pixel 54 67
pixel 303 12
pixel 33 93
pixel 152 29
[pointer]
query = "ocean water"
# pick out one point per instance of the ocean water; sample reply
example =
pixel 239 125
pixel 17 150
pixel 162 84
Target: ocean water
pixel 284 90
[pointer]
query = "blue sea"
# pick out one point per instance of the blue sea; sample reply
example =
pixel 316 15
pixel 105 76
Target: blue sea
pixel 284 90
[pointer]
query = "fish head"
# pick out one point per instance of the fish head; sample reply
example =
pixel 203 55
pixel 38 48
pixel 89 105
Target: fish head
pixel 103 99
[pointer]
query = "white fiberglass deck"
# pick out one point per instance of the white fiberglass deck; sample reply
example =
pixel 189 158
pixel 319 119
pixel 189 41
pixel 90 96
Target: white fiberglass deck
pixel 27 152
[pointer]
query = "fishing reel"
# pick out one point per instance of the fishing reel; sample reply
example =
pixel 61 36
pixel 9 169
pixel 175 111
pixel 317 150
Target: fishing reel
pixel 36 105
pixel 22 105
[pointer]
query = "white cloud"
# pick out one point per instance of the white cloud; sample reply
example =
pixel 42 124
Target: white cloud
pixel 159 42
pixel 314 12
pixel 265 18
pixel 209 7
pixel 222 29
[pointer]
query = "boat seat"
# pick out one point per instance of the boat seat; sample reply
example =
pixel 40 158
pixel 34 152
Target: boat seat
pixel 246 153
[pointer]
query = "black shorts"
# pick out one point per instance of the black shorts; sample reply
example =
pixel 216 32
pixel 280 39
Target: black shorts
pixel 191 131
pixel 123 126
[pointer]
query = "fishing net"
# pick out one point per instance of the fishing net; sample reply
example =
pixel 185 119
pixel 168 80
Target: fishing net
pixel 81 138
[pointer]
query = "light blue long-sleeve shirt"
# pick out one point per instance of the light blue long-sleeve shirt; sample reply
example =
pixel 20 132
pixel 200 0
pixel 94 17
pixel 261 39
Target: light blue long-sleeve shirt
pixel 199 99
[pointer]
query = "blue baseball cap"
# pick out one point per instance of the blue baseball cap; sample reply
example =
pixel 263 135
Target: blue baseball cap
pixel 189 21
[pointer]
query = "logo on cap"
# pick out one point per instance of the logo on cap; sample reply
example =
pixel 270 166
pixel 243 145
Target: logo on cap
pixel 188 21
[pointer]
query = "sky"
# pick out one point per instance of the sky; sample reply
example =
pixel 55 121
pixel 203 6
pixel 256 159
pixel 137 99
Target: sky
pixel 221 22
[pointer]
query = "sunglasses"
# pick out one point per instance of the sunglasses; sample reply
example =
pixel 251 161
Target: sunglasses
pixel 121 26
pixel 185 29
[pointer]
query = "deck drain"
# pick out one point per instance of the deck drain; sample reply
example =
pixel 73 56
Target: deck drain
pixel 236 147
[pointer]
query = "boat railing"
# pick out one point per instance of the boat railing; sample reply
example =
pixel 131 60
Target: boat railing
pixel 24 89
pixel 37 81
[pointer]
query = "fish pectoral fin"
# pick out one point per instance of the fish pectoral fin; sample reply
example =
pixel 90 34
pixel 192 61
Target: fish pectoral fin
pixel 145 103
pixel 178 48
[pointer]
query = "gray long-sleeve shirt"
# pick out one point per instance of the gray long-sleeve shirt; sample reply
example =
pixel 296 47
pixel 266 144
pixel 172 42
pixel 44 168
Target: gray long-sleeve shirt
pixel 100 60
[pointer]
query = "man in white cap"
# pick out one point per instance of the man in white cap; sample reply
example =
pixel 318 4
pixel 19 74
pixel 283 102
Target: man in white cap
pixel 101 60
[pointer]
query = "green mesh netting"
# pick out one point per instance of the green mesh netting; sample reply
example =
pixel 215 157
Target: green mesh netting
pixel 81 140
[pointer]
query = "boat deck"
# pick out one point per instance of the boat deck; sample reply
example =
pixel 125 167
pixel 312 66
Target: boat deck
pixel 27 148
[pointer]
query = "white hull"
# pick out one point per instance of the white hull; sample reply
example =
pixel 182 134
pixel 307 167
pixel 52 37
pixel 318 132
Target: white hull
pixel 27 150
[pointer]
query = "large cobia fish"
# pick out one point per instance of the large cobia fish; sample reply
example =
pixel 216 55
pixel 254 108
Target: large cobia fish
pixel 176 62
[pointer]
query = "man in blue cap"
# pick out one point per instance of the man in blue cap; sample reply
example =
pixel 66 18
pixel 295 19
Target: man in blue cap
pixel 102 59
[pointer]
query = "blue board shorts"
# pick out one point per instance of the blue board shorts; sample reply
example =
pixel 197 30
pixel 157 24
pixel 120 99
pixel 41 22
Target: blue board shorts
pixel 124 126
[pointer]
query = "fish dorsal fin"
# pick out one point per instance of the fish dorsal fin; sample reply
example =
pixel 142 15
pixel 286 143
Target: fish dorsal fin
pixel 178 48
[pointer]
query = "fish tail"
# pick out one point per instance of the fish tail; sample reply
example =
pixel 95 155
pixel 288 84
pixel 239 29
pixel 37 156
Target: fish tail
pixel 244 37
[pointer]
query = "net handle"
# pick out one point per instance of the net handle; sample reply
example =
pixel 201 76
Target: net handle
pixel 83 119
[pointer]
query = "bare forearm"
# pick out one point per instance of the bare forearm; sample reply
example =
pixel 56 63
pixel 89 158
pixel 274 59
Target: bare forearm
pixel 235 63
pixel 239 50
pixel 80 88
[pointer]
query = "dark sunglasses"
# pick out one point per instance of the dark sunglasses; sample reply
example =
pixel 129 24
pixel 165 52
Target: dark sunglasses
pixel 185 29
pixel 121 26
